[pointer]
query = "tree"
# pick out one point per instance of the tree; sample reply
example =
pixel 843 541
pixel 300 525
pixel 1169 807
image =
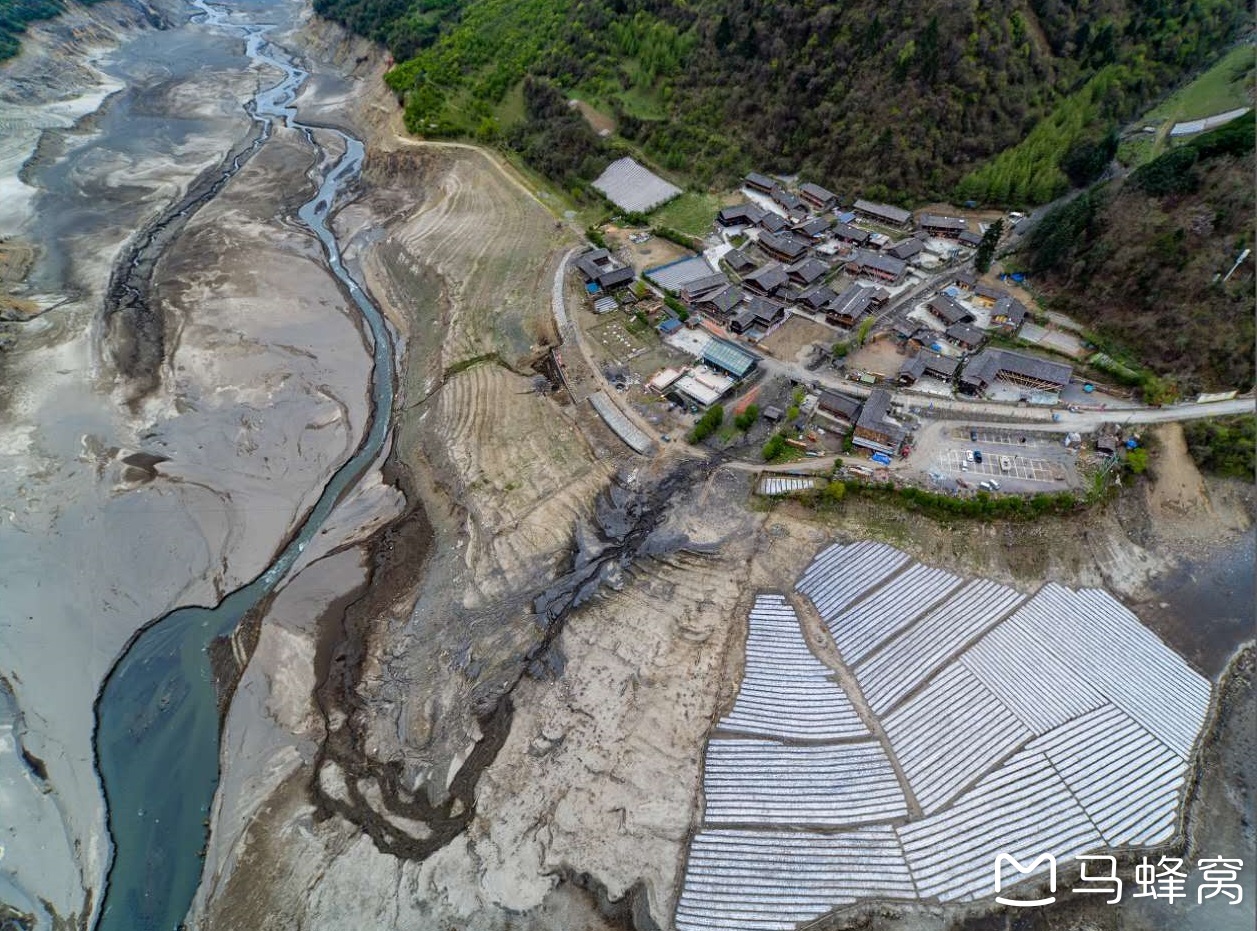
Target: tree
pixel 986 248
pixel 833 492
pixel 1137 460
pixel 708 424
pixel 775 446
pixel 745 420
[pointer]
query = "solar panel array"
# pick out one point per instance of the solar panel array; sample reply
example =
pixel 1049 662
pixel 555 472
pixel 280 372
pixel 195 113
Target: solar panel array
pixel 1002 724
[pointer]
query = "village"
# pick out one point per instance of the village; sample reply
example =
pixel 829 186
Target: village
pixel 857 340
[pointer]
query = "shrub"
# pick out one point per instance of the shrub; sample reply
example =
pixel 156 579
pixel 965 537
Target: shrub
pixel 775 446
pixel 708 424
pixel 1224 447
pixel 745 420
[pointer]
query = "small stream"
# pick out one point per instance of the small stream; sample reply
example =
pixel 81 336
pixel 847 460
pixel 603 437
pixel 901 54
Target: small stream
pixel 157 728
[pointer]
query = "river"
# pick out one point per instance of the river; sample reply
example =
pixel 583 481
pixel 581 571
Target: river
pixel 157 734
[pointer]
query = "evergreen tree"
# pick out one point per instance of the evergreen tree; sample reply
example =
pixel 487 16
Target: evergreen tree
pixel 986 248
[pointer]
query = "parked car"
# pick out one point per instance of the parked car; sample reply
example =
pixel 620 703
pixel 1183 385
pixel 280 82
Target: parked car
pixel 1005 463
pixel 973 436
pixel 994 485
pixel 987 486
pixel 977 455
pixel 968 455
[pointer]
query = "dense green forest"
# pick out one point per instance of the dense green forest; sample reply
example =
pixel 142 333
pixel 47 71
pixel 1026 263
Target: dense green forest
pixel 903 101
pixel 16 14
pixel 1143 260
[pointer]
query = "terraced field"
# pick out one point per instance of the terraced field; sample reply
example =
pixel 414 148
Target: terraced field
pixel 1055 723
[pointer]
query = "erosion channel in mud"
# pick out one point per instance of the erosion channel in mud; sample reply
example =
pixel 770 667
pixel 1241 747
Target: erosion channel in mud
pixel 157 731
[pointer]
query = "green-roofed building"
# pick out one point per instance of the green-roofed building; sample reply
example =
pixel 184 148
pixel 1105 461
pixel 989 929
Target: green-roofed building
pixel 729 357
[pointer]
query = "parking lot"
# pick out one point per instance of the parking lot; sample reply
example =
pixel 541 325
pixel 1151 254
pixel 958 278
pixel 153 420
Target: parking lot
pixel 1021 467
pixel 1041 463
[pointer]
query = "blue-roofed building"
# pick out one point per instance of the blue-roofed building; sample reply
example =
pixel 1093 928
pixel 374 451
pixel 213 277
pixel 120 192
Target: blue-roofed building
pixel 669 326
pixel 847 216
pixel 730 357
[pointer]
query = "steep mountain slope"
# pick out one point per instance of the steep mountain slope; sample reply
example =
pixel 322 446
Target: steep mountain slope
pixel 15 15
pixel 897 101
pixel 1143 261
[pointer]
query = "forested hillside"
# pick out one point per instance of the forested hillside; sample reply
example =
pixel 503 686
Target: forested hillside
pixel 15 15
pixel 899 101
pixel 1143 260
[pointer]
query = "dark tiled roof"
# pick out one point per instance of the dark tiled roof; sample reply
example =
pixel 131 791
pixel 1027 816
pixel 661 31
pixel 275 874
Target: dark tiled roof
pixel 1011 308
pixel 784 246
pixel 816 193
pixel 593 263
pixel 755 179
pixel 841 404
pixel 965 334
pixel 939 365
pixel 807 271
pixel 789 200
pixel 896 216
pixel 883 263
pixel 700 287
pixel 817 297
pixel 616 277
pixel 949 310
pixel 935 221
pixel 725 301
pixel 768 279
pixel 738 260
pixel 773 222
pixel 874 414
pixel 740 215
pixel 850 233
pixel 812 228
pixel 852 302
pixel 987 365
pixel 906 249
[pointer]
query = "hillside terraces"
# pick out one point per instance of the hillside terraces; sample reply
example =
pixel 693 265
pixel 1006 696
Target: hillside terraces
pixel 1053 724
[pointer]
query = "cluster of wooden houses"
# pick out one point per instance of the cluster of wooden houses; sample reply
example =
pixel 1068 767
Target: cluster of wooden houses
pixel 954 324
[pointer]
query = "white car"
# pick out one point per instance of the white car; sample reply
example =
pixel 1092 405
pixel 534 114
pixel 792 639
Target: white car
pixel 968 455
pixel 1005 463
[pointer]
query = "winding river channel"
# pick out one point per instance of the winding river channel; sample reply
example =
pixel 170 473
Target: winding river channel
pixel 157 723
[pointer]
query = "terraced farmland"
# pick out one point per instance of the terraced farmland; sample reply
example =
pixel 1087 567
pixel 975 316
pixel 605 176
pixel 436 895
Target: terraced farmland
pixel 985 722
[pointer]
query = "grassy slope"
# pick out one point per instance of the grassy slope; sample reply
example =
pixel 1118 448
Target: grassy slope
pixel 1228 85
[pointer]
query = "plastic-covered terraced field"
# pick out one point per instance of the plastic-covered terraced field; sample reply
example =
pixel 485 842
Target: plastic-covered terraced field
pixel 957 720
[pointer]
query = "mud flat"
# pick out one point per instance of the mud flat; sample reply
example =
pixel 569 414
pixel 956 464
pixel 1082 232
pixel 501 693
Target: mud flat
pixel 115 514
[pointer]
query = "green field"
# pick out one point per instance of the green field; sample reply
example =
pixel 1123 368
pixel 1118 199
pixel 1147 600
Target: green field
pixel 1223 87
pixel 692 213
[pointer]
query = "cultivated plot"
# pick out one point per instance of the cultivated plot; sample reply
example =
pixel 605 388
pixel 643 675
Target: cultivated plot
pixel 1001 724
